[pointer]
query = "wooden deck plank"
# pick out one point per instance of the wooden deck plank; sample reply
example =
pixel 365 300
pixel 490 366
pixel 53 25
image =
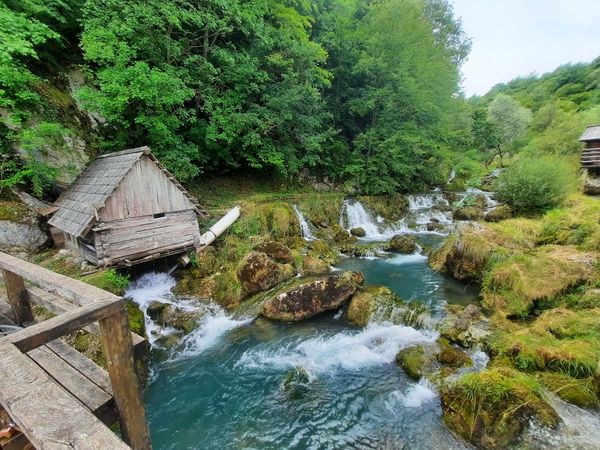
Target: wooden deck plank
pixel 84 365
pixel 87 392
pixel 50 417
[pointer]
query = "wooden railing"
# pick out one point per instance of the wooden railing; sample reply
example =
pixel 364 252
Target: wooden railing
pixel 48 415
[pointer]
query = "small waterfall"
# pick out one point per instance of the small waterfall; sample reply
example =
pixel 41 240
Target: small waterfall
pixel 355 215
pixel 304 227
pixel 156 287
pixel 426 201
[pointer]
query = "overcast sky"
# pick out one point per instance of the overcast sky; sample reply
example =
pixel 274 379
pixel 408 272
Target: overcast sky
pixel 519 37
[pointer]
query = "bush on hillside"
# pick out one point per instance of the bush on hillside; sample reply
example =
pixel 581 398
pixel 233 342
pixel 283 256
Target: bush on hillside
pixel 534 185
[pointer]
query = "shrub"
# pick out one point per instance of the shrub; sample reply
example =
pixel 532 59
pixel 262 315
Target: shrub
pixel 534 185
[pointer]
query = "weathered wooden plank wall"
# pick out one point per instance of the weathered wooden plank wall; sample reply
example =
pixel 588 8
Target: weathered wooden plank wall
pixel 144 190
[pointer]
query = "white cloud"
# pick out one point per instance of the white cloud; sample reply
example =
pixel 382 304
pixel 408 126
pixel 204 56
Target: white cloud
pixel 512 38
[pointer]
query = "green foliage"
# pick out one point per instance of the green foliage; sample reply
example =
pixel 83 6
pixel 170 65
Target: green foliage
pixel 534 185
pixel 109 280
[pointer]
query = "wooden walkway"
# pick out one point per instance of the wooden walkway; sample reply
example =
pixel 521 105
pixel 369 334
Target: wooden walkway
pixel 56 396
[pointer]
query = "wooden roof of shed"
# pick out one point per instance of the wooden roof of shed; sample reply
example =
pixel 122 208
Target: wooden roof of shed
pixel 591 133
pixel 80 203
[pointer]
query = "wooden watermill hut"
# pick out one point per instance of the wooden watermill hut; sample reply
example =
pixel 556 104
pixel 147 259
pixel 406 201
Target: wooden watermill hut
pixel 126 208
pixel 590 157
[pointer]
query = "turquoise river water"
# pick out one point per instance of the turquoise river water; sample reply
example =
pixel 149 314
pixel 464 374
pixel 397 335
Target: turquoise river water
pixel 222 386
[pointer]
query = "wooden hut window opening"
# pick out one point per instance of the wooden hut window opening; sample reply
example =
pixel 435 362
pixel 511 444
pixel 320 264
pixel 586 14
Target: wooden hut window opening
pixel 159 215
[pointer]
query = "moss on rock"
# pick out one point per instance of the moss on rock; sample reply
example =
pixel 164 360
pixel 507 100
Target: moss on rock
pixel 314 266
pixel 580 392
pixel 403 243
pixel 492 408
pixel 516 284
pixel 412 360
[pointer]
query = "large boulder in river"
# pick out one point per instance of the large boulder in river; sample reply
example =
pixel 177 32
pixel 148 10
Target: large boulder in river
pixel 259 273
pixel 403 243
pixel 379 304
pixel 311 265
pixel 312 298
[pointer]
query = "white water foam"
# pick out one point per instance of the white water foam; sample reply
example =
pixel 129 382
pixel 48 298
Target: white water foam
pixel 304 227
pixel 426 201
pixel 402 259
pixel 154 286
pixel 418 394
pixel 150 287
pixel 355 215
pixel 211 329
pixel 375 345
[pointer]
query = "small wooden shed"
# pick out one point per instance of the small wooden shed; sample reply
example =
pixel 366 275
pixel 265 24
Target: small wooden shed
pixel 590 157
pixel 127 208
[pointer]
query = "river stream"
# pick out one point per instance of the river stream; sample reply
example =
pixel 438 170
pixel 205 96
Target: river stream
pixel 222 386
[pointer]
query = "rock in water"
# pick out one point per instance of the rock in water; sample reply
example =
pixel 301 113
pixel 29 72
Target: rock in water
pixel 313 298
pixel 258 273
pixel 358 232
pixel 412 359
pixel 403 243
pixel 491 409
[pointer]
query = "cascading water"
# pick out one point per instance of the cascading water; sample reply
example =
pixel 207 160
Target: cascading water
pixel 304 227
pixel 354 215
pixel 156 287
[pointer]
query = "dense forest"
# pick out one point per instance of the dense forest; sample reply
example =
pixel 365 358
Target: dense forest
pixel 364 93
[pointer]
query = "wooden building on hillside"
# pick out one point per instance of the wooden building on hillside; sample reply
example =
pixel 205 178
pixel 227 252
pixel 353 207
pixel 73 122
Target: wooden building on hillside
pixel 127 208
pixel 590 157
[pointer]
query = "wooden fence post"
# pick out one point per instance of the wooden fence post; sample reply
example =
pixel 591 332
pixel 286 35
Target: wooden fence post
pixel 17 297
pixel 126 389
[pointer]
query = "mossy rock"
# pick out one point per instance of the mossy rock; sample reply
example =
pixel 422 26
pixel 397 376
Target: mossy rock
pixel 515 285
pixel 295 383
pixel 340 235
pixel 559 340
pixel 473 247
pixel 314 266
pixel 358 232
pixel 324 251
pixel 468 213
pixel 463 326
pixel 276 251
pixel 492 409
pixel 412 360
pixel 452 356
pixel 379 304
pixel 186 321
pixel 359 249
pixel 312 297
pixel 402 243
pixel 580 392
pixel 136 318
pixel 390 207
pixel 258 272
pixel 499 213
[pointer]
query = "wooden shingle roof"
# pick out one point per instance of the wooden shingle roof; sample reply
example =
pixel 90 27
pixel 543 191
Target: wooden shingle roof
pixel 80 203
pixel 591 133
